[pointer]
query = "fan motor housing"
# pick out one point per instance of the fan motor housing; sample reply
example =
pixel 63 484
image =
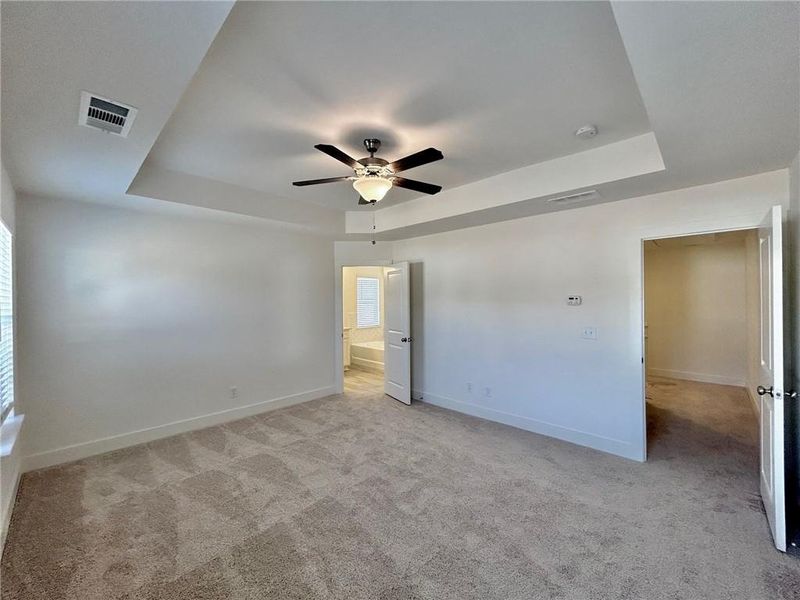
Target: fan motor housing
pixel 372 161
pixel 372 145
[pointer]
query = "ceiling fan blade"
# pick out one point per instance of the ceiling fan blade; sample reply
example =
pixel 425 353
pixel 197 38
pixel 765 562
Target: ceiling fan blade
pixel 417 186
pixel 318 181
pixel 334 152
pixel 423 157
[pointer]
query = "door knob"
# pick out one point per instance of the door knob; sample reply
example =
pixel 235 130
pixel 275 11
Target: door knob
pixel 762 390
pixel 792 395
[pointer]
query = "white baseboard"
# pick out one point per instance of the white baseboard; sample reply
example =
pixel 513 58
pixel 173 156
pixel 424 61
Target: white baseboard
pixel 123 440
pixel 701 377
pixel 575 436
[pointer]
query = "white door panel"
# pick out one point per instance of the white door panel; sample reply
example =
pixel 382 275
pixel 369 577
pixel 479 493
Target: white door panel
pixel 771 388
pixel 397 332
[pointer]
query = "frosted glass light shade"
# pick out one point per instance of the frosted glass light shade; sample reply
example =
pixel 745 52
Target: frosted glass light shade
pixel 372 188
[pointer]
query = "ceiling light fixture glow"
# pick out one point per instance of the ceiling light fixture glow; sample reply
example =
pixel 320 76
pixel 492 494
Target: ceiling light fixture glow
pixel 372 188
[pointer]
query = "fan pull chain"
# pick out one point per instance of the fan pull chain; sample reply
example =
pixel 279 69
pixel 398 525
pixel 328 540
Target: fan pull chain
pixel 373 222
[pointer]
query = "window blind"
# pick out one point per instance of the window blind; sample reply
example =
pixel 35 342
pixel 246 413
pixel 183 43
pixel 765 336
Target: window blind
pixel 368 307
pixel 6 324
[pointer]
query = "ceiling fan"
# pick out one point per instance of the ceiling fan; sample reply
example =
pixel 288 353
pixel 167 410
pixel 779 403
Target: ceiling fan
pixel 373 177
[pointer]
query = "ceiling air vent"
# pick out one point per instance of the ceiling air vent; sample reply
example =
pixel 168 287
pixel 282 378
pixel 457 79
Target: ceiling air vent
pixel 106 115
pixel 579 197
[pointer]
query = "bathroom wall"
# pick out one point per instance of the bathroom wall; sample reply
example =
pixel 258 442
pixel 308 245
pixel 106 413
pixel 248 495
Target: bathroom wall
pixel 349 275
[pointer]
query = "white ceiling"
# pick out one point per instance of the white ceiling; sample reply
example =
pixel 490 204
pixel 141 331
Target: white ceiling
pixel 494 86
pixel 721 84
pixel 139 53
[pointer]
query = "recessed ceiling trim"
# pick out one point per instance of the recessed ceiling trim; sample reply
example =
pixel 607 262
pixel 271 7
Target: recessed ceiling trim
pixel 639 155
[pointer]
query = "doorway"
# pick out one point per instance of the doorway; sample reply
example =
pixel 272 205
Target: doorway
pixel 373 317
pixel 702 324
pixel 713 361
pixel 363 319
pixel 702 307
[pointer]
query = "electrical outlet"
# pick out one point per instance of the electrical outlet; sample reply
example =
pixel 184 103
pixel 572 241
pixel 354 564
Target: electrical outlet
pixel 487 392
pixel 589 333
pixel 469 387
pixel 234 393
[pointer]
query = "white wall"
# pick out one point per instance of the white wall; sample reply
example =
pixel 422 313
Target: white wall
pixel 10 464
pixel 131 321
pixel 696 311
pixel 8 201
pixel 489 308
pixel 363 253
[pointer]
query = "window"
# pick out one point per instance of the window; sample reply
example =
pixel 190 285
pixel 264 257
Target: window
pixel 368 302
pixel 6 325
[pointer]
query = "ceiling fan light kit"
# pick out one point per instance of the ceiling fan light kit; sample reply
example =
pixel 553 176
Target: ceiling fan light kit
pixel 373 177
pixel 372 188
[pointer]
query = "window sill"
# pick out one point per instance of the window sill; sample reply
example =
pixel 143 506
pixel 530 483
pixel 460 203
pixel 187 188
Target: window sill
pixel 9 434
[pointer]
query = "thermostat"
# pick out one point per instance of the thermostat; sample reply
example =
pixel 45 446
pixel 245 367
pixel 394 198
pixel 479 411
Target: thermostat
pixel 574 300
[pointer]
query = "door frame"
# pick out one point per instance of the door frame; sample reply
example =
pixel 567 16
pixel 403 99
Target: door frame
pixel 675 225
pixel 663 236
pixel 338 358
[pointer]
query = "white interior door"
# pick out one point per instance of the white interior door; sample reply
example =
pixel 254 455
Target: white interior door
pixel 771 390
pixel 397 332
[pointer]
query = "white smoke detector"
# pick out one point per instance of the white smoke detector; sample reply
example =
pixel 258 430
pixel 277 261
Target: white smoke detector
pixel 106 115
pixel 586 132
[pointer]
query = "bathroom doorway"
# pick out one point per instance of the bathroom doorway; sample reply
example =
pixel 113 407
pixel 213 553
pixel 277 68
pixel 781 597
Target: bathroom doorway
pixel 373 316
pixel 363 320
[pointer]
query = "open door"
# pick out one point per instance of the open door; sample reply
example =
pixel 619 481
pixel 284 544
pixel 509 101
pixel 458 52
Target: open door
pixel 397 328
pixel 771 390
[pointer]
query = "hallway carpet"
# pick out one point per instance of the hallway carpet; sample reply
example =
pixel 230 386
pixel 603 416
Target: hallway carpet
pixel 360 497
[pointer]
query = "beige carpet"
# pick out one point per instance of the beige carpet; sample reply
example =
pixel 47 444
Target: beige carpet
pixel 358 496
